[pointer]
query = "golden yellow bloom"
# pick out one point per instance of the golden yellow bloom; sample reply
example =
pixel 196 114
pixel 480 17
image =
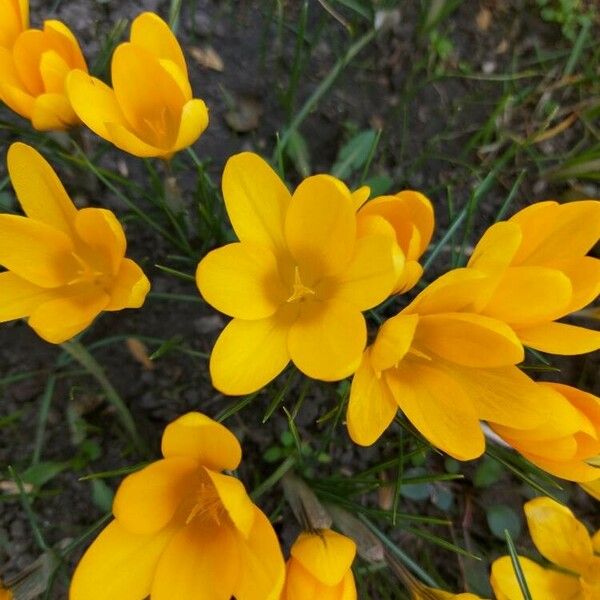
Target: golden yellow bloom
pixel 297 281
pixel 64 266
pixel 150 110
pixel 408 219
pixel 560 445
pixel 566 544
pixel 539 272
pixel 446 368
pixel 319 568
pixel 183 530
pixel 33 74
pixel 14 19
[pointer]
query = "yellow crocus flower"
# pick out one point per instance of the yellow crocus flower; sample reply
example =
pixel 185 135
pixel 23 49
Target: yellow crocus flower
pixel 540 272
pixel 297 281
pixel 408 218
pixel 14 19
pixel 150 110
pixel 63 266
pixel 319 567
pixel 553 447
pixel 33 74
pixel 184 530
pixel 564 541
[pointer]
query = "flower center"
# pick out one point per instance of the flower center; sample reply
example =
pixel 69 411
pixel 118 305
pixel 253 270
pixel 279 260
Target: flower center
pixel 87 274
pixel 300 291
pixel 206 505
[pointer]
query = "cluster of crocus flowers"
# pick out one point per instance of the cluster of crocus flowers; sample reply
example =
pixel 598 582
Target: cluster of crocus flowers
pixel 64 266
pixel 34 65
pixel 319 567
pixel 183 529
pixel 149 111
pixel 448 360
pixel 14 19
pixel 574 572
pixel 297 281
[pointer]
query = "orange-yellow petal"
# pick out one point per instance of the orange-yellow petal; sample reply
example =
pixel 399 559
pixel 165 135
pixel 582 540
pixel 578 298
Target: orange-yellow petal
pixel 241 280
pixel 496 248
pixel 39 190
pixel 147 500
pixel 249 354
pixel 194 120
pixel 129 287
pixel 326 555
pixel 560 338
pixel 52 112
pixel 557 534
pixel 393 341
pixel 118 564
pixel 19 297
pixel 327 339
pixel 125 139
pixel 199 437
pixel 320 227
pixel 371 407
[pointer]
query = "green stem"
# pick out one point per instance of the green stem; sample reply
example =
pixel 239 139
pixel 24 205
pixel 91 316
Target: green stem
pixel 270 481
pixel 80 353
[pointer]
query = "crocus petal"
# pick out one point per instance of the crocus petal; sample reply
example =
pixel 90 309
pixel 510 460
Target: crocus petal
pixel 61 319
pixel 201 562
pixel 503 395
pixel 327 340
pixel 194 120
pixel 419 211
pixel 36 252
pixel 496 248
pixel 393 341
pixel 39 190
pixel 235 499
pixel 118 564
pixel 256 200
pixel 371 407
pixel 54 70
pixel 578 222
pixel 16 99
pixel 560 338
pixel 263 570
pixel 299 583
pixel 197 436
pixel 596 537
pixel 593 489
pixel 126 140
pixel 61 37
pixel 320 227
pixel 554 449
pixel 129 288
pixel 360 196
pixel 94 102
pixel 438 407
pixel 529 295
pixel 584 274
pixel 469 340
pixel 241 280
pixel 150 32
pixel 52 112
pixel 102 232
pixel 27 51
pixel 10 24
pixel 542 583
pixel 147 500
pixel 572 470
pixel 249 354
pixel 19 298
pixel 327 555
pixel 557 534
pixel 369 278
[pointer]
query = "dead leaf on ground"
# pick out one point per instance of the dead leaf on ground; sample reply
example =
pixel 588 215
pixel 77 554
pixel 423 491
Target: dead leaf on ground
pixel 484 19
pixel 208 58
pixel 245 115
pixel 8 486
pixel 139 351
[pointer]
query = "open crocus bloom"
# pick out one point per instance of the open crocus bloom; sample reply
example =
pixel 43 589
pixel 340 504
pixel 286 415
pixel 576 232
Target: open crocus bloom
pixel 297 281
pixel 446 368
pixel 150 110
pixel 64 266
pixel 183 529
pixel 555 448
pixel 319 568
pixel 14 19
pixel 33 74
pixel 566 543
pixel 540 272
pixel 408 219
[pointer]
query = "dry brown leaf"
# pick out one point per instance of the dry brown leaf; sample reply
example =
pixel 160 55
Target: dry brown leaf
pixel 484 19
pixel 554 131
pixel 245 116
pixel 385 493
pixel 208 58
pixel 8 486
pixel 140 353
